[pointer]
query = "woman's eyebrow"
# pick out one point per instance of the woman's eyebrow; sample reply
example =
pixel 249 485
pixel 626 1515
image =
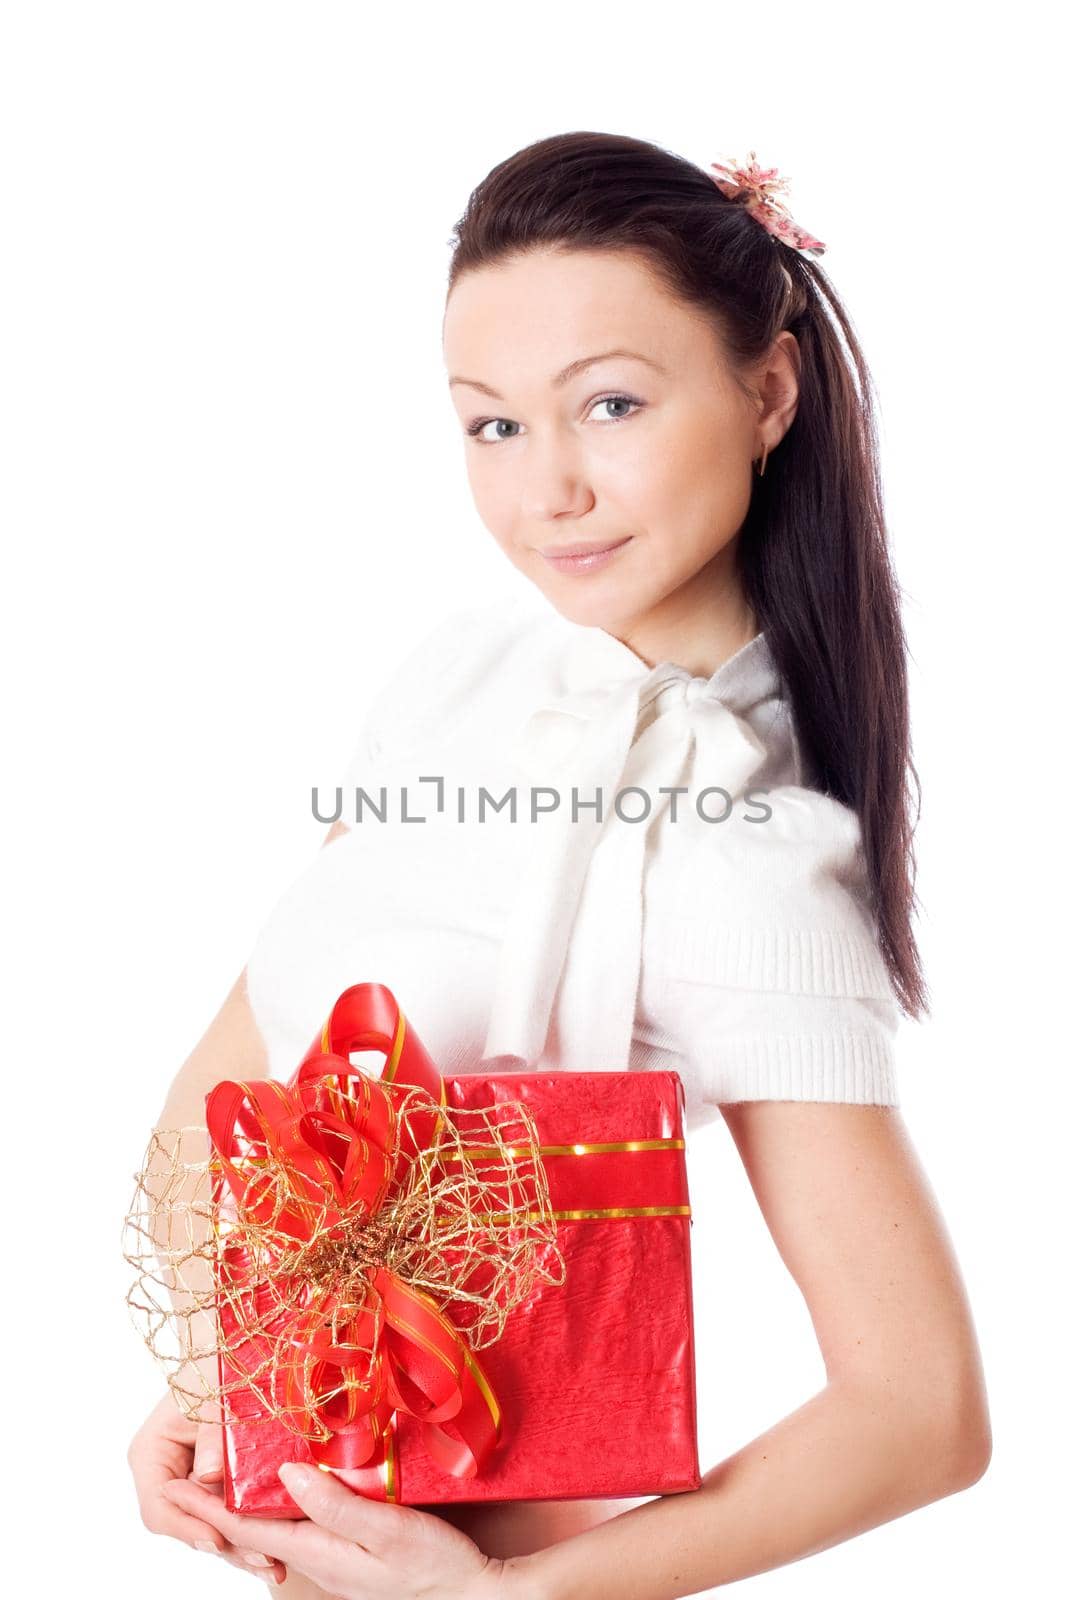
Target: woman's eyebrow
pixel 570 371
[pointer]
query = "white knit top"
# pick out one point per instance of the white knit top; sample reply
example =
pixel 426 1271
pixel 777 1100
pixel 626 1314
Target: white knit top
pixel 699 907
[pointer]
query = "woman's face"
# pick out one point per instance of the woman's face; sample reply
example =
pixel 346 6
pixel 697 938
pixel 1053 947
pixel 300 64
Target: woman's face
pixel 649 449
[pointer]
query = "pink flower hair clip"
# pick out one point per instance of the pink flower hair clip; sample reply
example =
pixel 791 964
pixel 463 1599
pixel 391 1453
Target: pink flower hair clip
pixel 757 188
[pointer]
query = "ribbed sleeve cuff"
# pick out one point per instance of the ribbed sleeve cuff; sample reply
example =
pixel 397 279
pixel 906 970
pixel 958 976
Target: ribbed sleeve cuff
pixel 795 960
pixel 842 1066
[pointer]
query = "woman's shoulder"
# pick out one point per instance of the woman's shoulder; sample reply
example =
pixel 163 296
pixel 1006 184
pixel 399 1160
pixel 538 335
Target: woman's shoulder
pixel 476 660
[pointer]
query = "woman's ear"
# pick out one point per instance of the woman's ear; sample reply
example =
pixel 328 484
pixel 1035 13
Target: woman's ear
pixel 778 385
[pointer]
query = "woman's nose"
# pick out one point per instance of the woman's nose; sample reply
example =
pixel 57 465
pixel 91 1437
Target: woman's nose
pixel 555 485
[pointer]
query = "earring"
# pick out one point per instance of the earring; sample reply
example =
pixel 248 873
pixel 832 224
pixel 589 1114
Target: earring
pixel 762 459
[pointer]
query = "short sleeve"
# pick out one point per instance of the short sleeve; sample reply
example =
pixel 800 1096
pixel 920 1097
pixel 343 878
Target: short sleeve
pixel 744 1044
pixel 780 992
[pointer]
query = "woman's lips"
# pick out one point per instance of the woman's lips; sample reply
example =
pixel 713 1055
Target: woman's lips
pixel 587 560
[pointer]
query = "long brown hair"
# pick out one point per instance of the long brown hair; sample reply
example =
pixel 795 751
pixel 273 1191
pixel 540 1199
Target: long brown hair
pixel 813 549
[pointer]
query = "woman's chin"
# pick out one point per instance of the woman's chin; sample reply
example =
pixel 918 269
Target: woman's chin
pixel 592 605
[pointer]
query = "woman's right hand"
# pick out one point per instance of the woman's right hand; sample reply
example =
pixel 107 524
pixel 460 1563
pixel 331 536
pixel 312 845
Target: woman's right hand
pixel 169 1445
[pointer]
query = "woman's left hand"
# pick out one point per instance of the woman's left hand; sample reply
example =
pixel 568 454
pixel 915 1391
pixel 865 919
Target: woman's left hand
pixel 356 1548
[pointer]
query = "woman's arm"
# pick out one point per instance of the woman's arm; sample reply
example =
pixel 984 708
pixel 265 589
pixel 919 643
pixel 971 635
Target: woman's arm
pixel 902 1419
pixel 231 1047
pixel 169 1445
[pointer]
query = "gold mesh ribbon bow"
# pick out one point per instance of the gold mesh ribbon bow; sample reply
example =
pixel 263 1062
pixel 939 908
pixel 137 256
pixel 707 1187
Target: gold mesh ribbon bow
pixel 345 1247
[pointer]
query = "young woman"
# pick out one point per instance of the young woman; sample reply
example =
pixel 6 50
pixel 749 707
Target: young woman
pixel 669 432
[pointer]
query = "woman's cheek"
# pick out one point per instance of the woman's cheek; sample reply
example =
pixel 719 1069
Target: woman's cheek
pixel 707 481
pixel 494 503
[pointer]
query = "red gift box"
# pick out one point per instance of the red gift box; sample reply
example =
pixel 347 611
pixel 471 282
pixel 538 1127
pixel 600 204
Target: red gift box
pixel 589 1392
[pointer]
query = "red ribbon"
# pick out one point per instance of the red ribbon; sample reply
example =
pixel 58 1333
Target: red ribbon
pixel 334 1130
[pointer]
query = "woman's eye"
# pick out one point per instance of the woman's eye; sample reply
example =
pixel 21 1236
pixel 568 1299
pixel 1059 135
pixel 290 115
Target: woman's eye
pixel 477 430
pixel 617 400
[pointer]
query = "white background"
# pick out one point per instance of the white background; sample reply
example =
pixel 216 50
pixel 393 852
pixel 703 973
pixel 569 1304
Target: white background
pixel 233 491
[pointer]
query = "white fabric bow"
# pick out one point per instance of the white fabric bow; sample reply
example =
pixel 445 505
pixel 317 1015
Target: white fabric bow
pixel 581 895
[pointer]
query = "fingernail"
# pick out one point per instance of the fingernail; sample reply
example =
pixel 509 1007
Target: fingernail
pixel 210 1471
pixel 206 1545
pixel 253 1559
